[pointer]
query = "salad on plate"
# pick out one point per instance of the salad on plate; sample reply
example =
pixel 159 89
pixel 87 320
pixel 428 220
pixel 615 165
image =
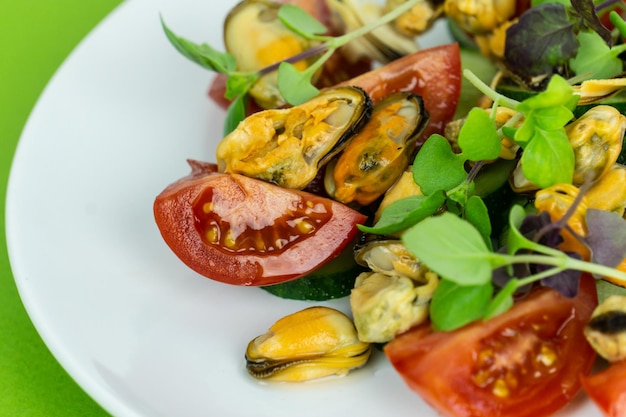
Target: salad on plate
pixel 467 198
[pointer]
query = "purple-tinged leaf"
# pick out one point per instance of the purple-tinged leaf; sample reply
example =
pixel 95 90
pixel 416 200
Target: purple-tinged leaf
pixel 541 229
pixel 586 9
pixel 606 237
pixel 565 282
pixel 541 41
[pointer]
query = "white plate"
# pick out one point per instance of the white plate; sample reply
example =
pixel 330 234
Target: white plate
pixel 140 332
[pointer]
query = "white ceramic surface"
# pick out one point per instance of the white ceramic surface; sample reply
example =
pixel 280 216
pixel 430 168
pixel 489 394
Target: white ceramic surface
pixel 140 332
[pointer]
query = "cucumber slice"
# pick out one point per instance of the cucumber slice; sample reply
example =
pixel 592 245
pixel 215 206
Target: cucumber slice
pixel 333 280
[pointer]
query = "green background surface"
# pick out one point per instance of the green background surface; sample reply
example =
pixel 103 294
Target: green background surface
pixel 35 37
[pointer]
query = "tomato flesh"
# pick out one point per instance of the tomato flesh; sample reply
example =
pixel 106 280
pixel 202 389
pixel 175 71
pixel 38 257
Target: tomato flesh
pixel 607 388
pixel 433 73
pixel 525 362
pixel 244 231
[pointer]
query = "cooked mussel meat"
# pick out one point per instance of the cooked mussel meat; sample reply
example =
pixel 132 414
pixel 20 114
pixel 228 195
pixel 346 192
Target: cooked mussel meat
pixel 380 152
pixel 312 343
pixel 288 146
pixel 256 38
pixel 395 295
pixel 606 331
pixel 382 44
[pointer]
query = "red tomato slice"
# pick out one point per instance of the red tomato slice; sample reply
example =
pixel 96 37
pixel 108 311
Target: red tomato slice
pixel 523 363
pixel 244 231
pixel 433 73
pixel 607 389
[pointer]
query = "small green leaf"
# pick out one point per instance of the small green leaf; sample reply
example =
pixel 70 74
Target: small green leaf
pixel 237 85
pixel 478 137
pixel 546 151
pixel 235 114
pixel 202 54
pixel 515 240
pixel 300 22
pixel 476 213
pixel 552 118
pixel 451 247
pixel 434 157
pixel 558 92
pixel 295 86
pixel 454 306
pixel 502 301
pixel 406 212
pixel 595 58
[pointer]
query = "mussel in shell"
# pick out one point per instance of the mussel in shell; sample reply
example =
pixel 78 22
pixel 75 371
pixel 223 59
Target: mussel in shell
pixel 383 44
pixel 380 152
pixel 395 296
pixel 288 146
pixel 256 38
pixel 312 343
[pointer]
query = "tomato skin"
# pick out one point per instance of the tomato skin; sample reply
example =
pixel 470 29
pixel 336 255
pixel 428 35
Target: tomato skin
pixel 607 388
pixel 255 211
pixel 433 73
pixel 444 368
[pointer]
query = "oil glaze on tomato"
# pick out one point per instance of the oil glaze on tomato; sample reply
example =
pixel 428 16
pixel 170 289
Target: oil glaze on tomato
pixel 244 231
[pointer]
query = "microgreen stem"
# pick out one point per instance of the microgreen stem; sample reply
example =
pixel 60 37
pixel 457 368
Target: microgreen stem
pixel 488 91
pixel 320 62
pixel 316 50
pixel 368 27
pixel 618 22
pixel 561 262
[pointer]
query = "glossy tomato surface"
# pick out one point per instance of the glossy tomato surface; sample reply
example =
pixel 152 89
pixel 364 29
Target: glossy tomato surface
pixel 607 389
pixel 244 231
pixel 523 363
pixel 433 73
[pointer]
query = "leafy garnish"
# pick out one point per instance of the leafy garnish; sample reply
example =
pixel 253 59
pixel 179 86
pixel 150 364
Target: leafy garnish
pixel 295 86
pixel 458 254
pixel 543 39
pixel 596 59
pixel 558 37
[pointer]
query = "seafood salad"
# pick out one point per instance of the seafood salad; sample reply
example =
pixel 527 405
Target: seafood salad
pixel 468 199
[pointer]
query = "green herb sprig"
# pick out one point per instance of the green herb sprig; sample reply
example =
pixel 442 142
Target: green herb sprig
pixel 459 255
pixel 553 35
pixel 448 227
pixel 295 86
pixel 542 137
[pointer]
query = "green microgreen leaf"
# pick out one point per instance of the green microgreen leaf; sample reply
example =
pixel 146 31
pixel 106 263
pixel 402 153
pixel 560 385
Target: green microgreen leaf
pixel 515 240
pixel 455 305
pixel 406 212
pixel 295 86
pixel 477 214
pixel 436 156
pixel 458 253
pixel 595 59
pixel 478 137
pixel 300 22
pixel 239 85
pixel 502 301
pixel 235 113
pixel 558 92
pixel 547 150
pixel 202 54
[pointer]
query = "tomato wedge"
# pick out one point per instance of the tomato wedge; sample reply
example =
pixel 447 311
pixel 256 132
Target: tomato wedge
pixel 244 231
pixel 523 363
pixel 433 73
pixel 607 388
